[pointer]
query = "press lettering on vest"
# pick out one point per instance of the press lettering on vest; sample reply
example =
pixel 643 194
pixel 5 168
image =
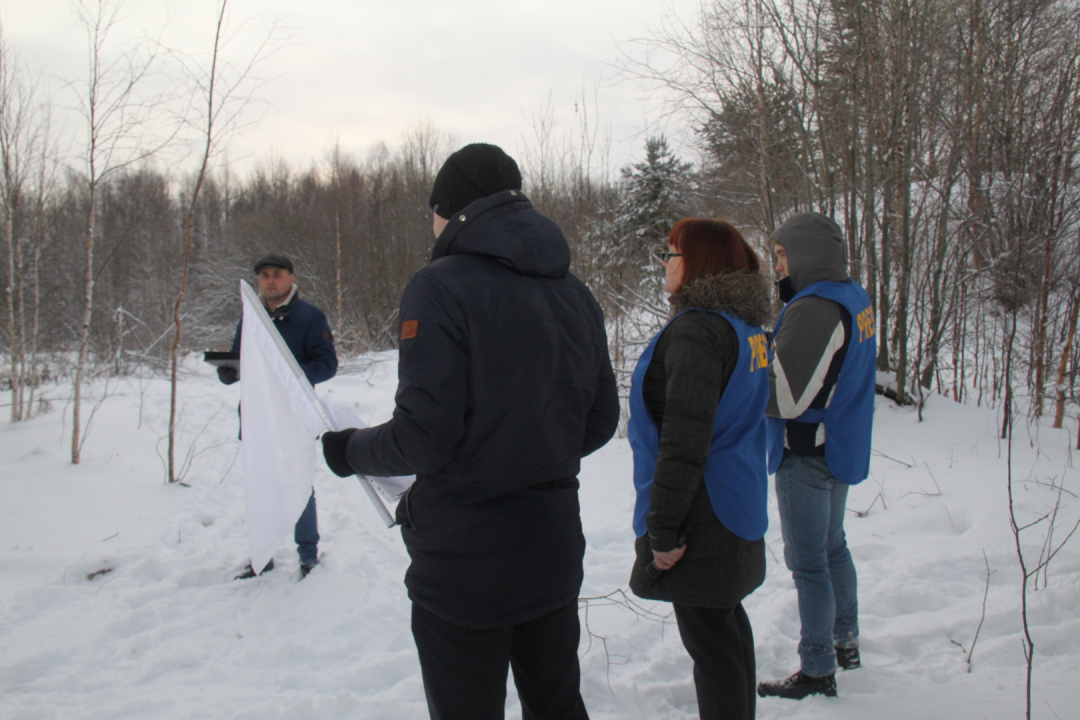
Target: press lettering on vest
pixel 759 356
pixel 409 328
pixel 866 324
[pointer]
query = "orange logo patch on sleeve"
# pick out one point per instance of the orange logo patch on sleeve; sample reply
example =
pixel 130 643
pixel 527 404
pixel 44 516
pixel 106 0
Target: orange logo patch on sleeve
pixel 408 329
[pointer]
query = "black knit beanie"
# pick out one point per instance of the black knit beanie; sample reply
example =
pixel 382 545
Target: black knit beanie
pixel 473 172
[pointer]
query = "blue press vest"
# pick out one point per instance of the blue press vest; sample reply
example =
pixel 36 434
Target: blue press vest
pixel 735 475
pixel 849 415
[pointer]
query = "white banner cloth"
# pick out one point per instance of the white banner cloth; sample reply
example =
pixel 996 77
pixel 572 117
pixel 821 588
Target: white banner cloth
pixel 279 425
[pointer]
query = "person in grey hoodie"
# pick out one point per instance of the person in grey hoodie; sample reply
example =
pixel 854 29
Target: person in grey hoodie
pixel 820 416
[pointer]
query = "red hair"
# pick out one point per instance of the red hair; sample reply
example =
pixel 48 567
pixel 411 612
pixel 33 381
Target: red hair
pixel 711 247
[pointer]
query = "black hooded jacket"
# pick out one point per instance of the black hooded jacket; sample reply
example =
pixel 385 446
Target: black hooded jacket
pixel 504 384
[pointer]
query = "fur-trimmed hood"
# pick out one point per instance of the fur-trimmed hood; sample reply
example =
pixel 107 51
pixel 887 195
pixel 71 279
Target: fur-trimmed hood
pixel 747 295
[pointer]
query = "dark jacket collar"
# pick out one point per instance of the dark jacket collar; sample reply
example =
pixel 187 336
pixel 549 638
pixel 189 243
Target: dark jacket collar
pixel 505 226
pixel 747 295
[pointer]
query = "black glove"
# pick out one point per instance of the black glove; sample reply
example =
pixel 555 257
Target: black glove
pixel 333 449
pixel 228 375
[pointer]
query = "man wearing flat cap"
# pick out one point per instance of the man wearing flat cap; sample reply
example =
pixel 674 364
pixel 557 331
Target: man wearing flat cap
pixel 305 330
pixel 504 384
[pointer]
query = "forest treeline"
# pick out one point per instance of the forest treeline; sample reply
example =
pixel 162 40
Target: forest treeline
pixel 942 135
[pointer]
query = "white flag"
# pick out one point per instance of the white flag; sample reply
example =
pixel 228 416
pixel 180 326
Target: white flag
pixel 279 425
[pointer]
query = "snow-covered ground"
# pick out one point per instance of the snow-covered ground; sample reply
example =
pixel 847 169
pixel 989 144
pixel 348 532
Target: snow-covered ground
pixel 117 599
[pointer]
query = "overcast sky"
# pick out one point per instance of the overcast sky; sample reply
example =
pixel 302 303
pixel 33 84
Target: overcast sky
pixel 363 71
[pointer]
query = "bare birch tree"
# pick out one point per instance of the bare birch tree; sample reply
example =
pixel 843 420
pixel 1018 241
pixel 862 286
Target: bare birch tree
pixel 18 135
pixel 124 119
pixel 225 92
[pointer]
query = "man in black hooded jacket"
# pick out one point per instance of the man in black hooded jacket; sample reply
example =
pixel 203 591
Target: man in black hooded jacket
pixel 504 384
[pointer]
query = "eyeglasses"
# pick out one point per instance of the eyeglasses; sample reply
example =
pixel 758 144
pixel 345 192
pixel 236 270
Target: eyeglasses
pixel 663 256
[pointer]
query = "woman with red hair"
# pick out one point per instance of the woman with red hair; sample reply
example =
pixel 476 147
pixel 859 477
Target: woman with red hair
pixel 697 430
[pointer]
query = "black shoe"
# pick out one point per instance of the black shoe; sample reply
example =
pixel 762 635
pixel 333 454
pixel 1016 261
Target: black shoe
pixel 848 658
pixel 306 568
pixel 250 572
pixel 799 686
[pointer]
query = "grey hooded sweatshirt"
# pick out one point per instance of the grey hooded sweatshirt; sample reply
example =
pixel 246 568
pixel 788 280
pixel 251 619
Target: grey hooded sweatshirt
pixel 810 347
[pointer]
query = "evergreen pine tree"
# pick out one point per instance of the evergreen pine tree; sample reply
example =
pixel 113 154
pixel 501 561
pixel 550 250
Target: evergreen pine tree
pixel 656 195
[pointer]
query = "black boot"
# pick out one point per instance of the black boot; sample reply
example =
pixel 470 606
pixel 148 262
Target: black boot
pixel 250 572
pixel 306 568
pixel 799 686
pixel 848 658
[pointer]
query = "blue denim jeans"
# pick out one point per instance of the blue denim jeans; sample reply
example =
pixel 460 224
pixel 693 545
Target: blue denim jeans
pixel 812 510
pixel 306 534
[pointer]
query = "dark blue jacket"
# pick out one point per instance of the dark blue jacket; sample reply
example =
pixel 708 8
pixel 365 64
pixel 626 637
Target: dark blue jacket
pixel 305 330
pixel 504 384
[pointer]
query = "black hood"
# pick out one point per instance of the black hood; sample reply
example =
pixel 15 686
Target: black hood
pixel 505 226
pixel 816 249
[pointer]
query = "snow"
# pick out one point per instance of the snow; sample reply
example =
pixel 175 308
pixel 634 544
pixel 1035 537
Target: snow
pixel 117 598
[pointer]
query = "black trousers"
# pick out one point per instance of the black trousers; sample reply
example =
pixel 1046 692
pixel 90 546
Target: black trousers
pixel 721 643
pixel 465 670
